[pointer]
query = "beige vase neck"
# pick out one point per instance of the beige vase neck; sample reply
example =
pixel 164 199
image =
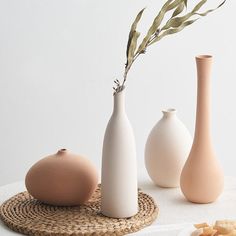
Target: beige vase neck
pixel 203 113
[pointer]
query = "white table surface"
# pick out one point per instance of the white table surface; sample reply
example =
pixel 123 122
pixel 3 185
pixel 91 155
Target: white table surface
pixel 175 212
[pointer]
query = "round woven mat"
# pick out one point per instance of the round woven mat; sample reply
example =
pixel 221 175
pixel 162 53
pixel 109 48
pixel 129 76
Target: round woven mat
pixel 26 215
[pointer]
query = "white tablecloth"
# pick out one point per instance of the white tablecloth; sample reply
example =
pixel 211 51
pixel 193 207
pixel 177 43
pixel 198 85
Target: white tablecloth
pixel 175 212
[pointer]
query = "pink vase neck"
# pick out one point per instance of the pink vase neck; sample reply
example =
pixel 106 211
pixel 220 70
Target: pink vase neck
pixel 203 112
pixel 119 103
pixel 62 151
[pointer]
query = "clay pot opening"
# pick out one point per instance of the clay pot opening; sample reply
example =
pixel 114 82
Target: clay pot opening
pixel 63 150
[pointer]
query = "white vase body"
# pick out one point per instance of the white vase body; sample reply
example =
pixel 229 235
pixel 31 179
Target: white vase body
pixel 119 194
pixel 167 149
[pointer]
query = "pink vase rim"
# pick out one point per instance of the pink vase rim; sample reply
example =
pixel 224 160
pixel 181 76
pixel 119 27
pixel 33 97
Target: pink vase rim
pixel 204 57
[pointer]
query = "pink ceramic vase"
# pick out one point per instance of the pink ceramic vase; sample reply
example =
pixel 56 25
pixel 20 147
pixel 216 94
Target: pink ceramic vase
pixel 202 178
pixel 62 179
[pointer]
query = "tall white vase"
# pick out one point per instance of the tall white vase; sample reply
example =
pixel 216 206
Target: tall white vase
pixel 167 149
pixel 119 196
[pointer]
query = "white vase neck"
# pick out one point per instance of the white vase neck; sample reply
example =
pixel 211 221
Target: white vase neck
pixel 119 102
pixel 169 113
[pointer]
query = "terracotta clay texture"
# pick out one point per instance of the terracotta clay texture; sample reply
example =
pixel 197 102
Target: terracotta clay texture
pixel 167 148
pixel 62 179
pixel 202 178
pixel 119 195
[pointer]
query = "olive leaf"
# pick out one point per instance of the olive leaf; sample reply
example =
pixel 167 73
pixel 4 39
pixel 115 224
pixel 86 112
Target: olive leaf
pixel 199 5
pixel 133 34
pixel 173 30
pixel 211 10
pixel 186 3
pixel 157 21
pixel 168 6
pixel 155 33
pixel 175 4
pixel 179 9
pixel 178 21
pixel 132 47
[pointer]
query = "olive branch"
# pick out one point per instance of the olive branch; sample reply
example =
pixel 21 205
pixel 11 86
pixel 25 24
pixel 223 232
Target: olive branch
pixel 157 31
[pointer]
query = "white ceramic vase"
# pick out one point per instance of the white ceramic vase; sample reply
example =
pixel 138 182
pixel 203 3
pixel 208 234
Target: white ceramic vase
pixel 119 195
pixel 167 149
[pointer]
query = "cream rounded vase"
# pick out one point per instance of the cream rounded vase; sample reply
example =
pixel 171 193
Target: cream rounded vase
pixel 167 149
pixel 202 177
pixel 119 194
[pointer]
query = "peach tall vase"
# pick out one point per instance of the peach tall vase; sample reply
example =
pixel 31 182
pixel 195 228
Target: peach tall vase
pixel 202 178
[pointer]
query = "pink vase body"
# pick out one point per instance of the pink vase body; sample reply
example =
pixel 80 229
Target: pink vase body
pixel 202 178
pixel 62 179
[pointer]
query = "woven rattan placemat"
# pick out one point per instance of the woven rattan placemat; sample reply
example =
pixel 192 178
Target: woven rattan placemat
pixel 26 215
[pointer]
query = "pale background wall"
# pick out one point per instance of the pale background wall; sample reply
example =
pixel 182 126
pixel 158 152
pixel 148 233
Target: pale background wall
pixel 58 59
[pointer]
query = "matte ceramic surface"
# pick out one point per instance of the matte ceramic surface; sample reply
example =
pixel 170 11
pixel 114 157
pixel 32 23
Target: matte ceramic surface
pixel 202 178
pixel 119 171
pixel 62 179
pixel 167 148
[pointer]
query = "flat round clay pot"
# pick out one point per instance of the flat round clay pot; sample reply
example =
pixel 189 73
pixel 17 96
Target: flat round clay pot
pixel 62 179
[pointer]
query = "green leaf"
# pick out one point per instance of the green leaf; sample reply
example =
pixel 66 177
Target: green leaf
pixel 199 5
pixel 158 19
pixel 173 30
pixel 132 31
pixel 132 47
pixel 186 3
pixel 178 10
pixel 169 5
pixel 175 4
pixel 175 22
pixel 137 19
pixel 211 10
pixel 174 25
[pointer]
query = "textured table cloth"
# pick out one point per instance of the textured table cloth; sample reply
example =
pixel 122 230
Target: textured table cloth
pixel 175 212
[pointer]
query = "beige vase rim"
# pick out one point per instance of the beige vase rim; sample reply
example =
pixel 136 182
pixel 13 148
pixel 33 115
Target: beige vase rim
pixel 204 56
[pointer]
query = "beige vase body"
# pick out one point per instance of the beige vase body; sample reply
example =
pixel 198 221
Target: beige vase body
pixel 62 179
pixel 119 196
pixel 167 148
pixel 202 178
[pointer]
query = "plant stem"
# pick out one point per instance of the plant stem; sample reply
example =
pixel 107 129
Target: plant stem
pixel 137 54
pixel 128 68
pixel 152 39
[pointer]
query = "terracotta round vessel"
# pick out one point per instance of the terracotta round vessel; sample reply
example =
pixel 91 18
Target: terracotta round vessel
pixel 62 179
pixel 202 178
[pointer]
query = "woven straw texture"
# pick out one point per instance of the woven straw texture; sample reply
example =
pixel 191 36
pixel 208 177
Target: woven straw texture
pixel 26 215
